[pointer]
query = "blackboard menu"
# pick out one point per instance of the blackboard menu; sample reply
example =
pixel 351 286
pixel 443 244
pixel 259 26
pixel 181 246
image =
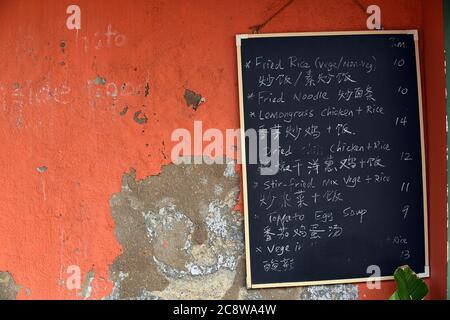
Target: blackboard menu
pixel 339 117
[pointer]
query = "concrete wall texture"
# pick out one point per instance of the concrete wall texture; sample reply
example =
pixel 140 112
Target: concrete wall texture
pixel 86 118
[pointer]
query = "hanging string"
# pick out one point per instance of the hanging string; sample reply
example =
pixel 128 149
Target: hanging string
pixel 257 28
pixel 360 5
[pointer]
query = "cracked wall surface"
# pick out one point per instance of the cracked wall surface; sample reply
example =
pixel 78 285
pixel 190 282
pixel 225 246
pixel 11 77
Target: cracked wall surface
pixel 182 239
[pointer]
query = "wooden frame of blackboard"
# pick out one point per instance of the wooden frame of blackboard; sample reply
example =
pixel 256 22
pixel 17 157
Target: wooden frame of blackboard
pixel 239 37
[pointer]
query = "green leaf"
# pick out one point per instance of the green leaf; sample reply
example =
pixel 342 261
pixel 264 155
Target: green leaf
pixel 394 296
pixel 409 286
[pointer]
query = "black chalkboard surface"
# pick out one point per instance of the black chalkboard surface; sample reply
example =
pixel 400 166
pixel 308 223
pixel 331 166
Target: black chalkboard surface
pixel 347 198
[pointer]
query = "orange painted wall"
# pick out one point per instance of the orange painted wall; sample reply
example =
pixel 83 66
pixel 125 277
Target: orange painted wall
pixel 53 115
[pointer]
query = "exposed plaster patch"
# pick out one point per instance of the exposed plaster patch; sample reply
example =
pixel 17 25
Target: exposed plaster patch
pixel 124 111
pixel 182 239
pixel 332 292
pixel 100 80
pixel 230 170
pixel 62 45
pixel 118 277
pixel 42 169
pixel 172 229
pixel 218 190
pixel 238 291
pixel 8 287
pixel 282 293
pixel 86 289
pixel 193 99
pixel 140 119
pixel 206 287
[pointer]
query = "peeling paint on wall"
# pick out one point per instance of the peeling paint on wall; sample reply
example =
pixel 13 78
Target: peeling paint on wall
pixel 41 169
pixel 100 80
pixel 182 239
pixel 193 99
pixel 8 287
pixel 86 289
pixel 55 114
pixel 333 292
pixel 124 111
pixel 62 45
pixel 140 119
pixel 175 231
